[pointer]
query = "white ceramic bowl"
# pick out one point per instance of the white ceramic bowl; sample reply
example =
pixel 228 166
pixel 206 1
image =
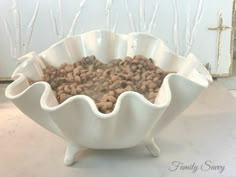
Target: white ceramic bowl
pixel 134 119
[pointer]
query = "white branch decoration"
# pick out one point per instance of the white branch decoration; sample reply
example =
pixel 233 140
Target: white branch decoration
pixel 143 26
pixel 108 13
pixel 17 27
pixel 115 25
pixel 176 28
pixel 54 22
pixel 10 38
pixel 30 28
pixel 153 19
pixel 60 21
pixel 196 23
pixel 76 18
pixel 131 19
pixel 57 21
pixel 15 39
pixel 188 23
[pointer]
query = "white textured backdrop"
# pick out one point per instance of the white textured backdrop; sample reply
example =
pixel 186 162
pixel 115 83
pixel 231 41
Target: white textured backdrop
pixel 183 24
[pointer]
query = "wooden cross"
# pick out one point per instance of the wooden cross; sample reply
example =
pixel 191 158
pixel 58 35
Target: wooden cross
pixel 221 28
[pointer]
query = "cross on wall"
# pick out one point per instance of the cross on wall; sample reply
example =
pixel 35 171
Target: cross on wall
pixel 220 29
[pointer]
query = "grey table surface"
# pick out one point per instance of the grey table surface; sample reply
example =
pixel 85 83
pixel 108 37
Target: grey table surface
pixel 201 142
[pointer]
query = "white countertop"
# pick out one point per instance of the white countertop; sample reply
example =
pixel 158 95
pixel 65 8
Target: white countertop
pixel 205 134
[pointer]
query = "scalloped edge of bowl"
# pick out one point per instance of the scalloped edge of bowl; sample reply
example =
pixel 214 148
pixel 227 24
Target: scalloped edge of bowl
pixel 189 68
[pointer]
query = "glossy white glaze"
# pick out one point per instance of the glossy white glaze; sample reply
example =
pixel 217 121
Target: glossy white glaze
pixel 134 119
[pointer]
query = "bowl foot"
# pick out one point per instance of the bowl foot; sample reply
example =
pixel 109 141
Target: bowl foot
pixel 153 148
pixel 71 152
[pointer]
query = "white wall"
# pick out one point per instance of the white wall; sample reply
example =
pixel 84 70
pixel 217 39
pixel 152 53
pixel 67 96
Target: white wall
pixel 94 16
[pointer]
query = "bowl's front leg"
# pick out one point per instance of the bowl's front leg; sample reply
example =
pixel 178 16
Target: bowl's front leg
pixel 152 147
pixel 71 152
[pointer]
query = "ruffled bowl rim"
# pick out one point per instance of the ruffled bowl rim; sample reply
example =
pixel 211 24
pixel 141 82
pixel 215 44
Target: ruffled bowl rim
pixel 20 77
